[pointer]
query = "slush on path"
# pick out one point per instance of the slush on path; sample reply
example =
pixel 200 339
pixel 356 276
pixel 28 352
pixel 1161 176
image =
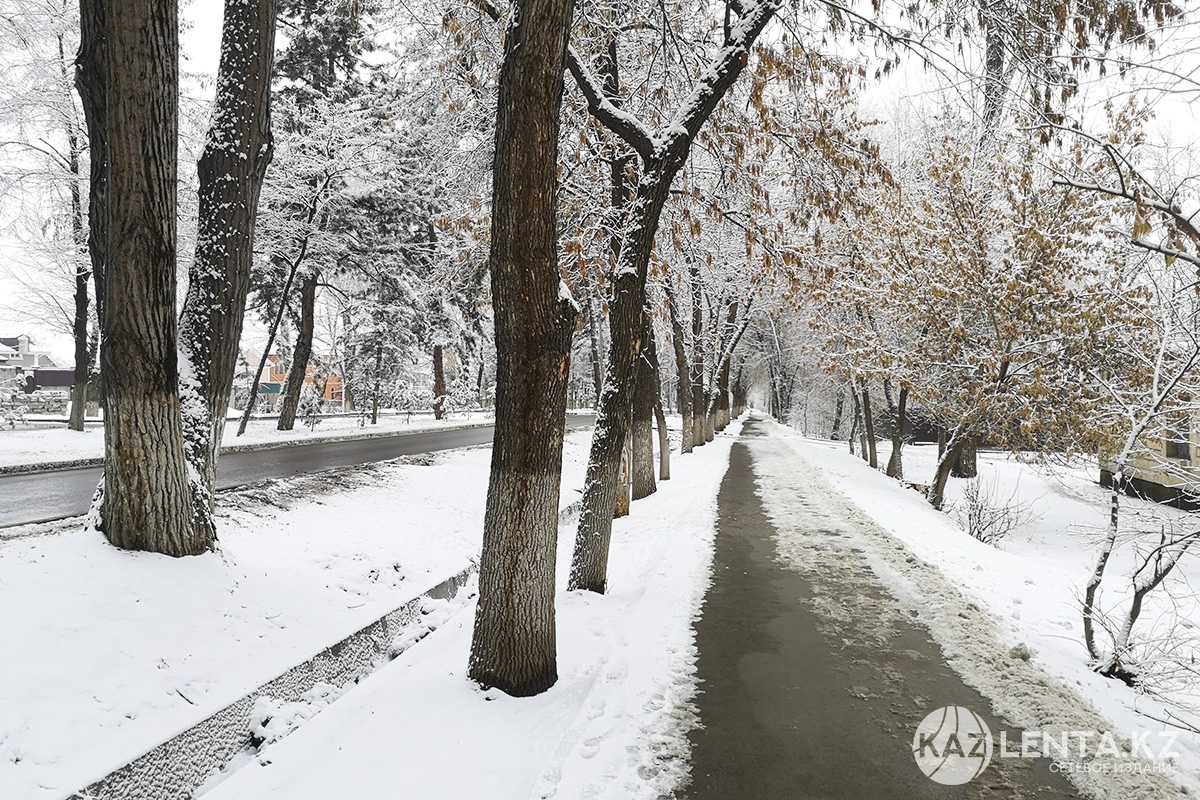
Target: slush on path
pixel 813 678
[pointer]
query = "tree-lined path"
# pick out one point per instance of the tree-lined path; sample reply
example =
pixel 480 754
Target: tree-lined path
pixel 800 703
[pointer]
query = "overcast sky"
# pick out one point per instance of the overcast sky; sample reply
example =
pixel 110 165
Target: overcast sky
pixel 1178 119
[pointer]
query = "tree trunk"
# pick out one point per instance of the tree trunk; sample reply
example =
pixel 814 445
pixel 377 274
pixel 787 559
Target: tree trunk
pixel 1097 576
pixel 723 398
pixel 513 644
pixel 236 153
pixel 298 370
pixel 594 347
pixel 624 479
pixel 895 467
pixel 859 427
pixel 700 412
pixel 664 443
pixel 376 388
pixel 645 398
pixel 869 427
pixel 683 384
pixel 965 465
pixel 147 500
pixel 439 383
pixel 90 65
pixel 839 406
pixel 937 489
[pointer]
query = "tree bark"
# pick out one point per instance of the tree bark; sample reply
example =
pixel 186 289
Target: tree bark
pixel 439 383
pixel 236 153
pixel 966 466
pixel 645 397
pixel 937 489
pixel 664 443
pixel 895 467
pixel 700 412
pixel 624 479
pixel 869 427
pixel 723 398
pixel 594 345
pixel 513 644
pixel 839 406
pixel 376 384
pixel 90 65
pixel 298 369
pixel 682 373
pixel 147 501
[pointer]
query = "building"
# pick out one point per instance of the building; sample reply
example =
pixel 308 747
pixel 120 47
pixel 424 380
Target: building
pixel 275 374
pixel 18 351
pixel 24 367
pixel 1165 470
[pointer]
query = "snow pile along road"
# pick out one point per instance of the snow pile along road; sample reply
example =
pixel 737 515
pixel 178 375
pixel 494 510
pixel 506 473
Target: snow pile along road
pixel 614 726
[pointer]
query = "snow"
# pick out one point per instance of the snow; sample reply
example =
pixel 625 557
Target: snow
pixel 41 445
pixel 111 652
pixel 1030 585
pixel 614 725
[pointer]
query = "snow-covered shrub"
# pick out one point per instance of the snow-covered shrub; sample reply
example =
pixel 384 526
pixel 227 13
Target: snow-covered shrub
pixel 987 517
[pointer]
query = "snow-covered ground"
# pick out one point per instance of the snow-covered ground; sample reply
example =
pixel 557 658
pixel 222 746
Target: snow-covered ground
pixel 1032 582
pixel 41 444
pixel 108 653
pixel 614 726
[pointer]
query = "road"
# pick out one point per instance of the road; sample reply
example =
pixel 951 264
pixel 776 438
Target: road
pixel 813 678
pixel 43 496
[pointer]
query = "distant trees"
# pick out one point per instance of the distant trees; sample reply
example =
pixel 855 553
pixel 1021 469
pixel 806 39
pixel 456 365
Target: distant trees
pixel 42 162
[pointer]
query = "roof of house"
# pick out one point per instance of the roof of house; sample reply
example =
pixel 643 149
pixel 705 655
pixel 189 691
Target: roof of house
pixel 15 341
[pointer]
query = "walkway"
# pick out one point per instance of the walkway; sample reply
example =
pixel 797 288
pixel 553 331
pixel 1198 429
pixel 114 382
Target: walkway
pixel 813 678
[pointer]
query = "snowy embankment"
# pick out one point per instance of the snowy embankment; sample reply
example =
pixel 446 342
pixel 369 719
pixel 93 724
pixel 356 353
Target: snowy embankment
pixel 111 652
pixel 49 445
pixel 1032 581
pixel 614 726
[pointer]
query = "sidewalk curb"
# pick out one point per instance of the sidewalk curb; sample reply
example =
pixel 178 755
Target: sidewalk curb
pixel 86 463
pixel 174 769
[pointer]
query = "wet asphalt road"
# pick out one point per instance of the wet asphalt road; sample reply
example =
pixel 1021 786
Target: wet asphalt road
pixel 36 497
pixel 800 703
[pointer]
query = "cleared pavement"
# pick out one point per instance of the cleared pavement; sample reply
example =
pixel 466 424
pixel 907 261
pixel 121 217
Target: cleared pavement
pixel 802 704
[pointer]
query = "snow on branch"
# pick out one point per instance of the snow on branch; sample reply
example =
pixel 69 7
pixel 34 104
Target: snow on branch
pixel 610 115
pixel 719 75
